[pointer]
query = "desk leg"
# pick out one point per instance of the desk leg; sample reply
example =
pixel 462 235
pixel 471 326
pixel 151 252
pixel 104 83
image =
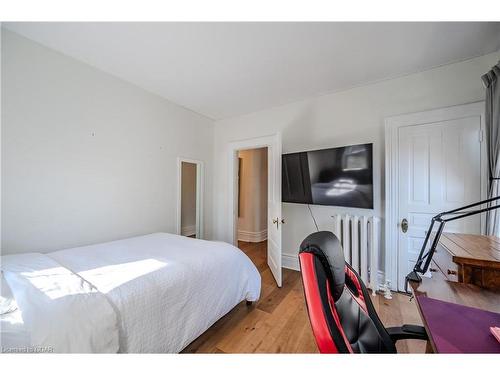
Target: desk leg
pixel 428 348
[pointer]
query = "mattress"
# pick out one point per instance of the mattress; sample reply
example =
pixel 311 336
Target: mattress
pixel 153 293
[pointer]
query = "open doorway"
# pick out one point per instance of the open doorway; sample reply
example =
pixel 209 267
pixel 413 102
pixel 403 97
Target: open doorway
pixel 251 225
pixel 189 217
pixel 272 144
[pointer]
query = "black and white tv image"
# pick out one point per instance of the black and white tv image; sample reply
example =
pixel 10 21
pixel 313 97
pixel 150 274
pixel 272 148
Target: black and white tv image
pixel 341 176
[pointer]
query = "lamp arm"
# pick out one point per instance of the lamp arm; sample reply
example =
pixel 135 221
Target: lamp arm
pixel 441 218
pixel 469 206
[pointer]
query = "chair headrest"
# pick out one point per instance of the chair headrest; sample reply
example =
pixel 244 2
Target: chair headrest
pixel 328 248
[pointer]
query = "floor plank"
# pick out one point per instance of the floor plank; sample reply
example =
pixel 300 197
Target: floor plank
pixel 271 301
pixel 278 322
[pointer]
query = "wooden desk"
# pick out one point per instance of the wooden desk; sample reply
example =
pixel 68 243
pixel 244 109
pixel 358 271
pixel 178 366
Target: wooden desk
pixel 468 258
pixel 454 292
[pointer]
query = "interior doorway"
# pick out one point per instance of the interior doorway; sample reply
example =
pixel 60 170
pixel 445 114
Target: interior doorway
pixel 272 144
pixel 189 202
pixel 251 226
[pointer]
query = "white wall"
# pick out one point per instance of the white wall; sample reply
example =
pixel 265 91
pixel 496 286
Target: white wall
pixel 342 118
pixel 87 157
pixel 252 217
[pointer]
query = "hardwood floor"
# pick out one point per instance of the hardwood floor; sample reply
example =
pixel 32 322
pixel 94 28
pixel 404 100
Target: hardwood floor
pixel 278 322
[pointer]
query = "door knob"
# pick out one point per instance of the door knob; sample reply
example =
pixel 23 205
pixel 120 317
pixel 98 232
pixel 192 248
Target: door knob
pixel 404 225
pixel 277 222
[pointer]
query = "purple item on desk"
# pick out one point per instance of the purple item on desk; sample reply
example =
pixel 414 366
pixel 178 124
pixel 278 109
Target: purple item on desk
pixel 459 329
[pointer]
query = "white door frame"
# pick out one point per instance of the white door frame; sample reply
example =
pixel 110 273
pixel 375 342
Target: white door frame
pixel 392 125
pixel 272 141
pixel 199 195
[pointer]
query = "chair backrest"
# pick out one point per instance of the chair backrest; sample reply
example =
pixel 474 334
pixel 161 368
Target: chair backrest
pixel 341 313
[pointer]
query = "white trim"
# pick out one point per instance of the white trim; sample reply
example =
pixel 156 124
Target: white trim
pixel 392 125
pixel 290 261
pixel 199 231
pixel 233 148
pixel 273 144
pixel 247 236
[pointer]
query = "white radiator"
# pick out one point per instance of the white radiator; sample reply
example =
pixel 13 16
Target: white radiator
pixel 359 236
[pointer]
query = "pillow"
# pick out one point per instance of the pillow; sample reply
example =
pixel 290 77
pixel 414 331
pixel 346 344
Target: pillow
pixel 7 301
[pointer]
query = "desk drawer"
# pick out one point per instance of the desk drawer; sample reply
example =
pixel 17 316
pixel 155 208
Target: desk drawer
pixel 484 277
pixel 443 260
pixel 436 272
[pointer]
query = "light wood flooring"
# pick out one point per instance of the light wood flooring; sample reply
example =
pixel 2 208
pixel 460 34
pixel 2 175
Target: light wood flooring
pixel 278 322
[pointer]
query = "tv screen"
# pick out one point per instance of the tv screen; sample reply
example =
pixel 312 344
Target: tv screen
pixel 341 176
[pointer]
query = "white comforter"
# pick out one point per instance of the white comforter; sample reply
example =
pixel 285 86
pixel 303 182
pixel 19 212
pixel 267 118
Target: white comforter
pixel 165 290
pixel 58 311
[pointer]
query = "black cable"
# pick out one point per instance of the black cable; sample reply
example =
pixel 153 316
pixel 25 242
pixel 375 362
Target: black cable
pixel 316 224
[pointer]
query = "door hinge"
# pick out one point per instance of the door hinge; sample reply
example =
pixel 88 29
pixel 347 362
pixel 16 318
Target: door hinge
pixel 480 136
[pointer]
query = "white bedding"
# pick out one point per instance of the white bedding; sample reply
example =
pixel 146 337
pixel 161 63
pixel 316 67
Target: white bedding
pixel 165 290
pixel 58 310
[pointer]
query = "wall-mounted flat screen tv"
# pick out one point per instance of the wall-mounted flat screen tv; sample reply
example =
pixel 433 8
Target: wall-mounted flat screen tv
pixel 341 176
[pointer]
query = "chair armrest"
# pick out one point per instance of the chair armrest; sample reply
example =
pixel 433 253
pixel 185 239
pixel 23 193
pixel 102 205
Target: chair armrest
pixel 407 332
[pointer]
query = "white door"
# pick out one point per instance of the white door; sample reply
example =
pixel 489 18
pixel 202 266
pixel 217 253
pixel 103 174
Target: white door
pixel 439 168
pixel 274 219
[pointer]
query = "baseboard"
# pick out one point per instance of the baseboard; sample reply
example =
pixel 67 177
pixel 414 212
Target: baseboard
pixel 189 230
pixel 290 261
pixel 247 236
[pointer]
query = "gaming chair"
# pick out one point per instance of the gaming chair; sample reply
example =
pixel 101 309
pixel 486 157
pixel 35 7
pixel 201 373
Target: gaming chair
pixel 341 313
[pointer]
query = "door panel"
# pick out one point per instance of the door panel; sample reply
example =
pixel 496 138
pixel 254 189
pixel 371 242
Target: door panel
pixel 274 212
pixel 439 169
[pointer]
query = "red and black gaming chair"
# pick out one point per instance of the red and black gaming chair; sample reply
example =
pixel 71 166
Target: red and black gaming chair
pixel 342 316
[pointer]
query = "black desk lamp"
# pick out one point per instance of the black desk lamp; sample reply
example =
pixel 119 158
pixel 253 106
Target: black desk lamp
pixel 442 218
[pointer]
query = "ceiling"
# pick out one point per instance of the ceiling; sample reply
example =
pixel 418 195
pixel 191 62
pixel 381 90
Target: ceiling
pixel 223 70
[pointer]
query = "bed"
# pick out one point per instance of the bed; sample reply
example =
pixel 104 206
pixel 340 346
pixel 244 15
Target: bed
pixel 152 294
